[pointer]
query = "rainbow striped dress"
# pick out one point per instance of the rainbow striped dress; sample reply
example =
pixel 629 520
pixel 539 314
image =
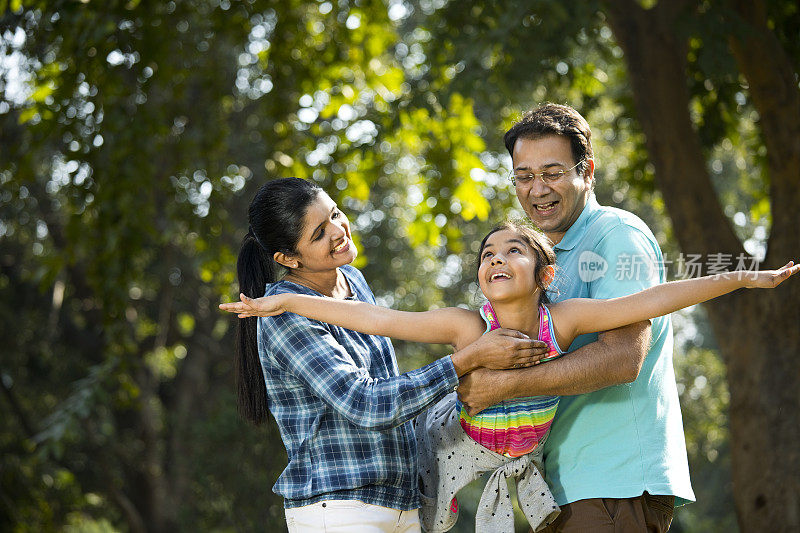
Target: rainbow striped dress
pixel 515 427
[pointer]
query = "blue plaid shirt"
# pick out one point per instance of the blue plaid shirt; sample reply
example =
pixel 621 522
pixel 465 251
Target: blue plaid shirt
pixel 342 407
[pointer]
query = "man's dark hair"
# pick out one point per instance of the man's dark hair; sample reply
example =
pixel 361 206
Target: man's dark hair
pixel 554 119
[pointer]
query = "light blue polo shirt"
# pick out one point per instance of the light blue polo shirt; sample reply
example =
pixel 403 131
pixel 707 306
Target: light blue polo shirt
pixel 623 440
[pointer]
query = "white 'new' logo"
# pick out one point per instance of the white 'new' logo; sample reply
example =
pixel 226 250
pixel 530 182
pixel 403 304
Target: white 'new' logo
pixel 591 266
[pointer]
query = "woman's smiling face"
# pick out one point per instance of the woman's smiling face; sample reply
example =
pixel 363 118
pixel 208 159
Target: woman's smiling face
pixel 326 242
pixel 507 267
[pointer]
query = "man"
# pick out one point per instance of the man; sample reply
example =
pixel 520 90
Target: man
pixel 616 457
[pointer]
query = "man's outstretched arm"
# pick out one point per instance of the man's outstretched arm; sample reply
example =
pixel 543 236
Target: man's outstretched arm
pixel 616 357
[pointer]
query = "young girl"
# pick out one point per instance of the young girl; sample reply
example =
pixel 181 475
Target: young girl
pixel 516 266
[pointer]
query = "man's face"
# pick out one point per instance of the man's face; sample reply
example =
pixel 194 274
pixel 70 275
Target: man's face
pixel 553 207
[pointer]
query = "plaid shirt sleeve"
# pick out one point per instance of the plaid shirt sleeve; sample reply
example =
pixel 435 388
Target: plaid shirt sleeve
pixel 309 350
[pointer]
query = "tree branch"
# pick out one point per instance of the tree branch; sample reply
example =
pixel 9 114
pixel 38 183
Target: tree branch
pixel 129 510
pixel 22 418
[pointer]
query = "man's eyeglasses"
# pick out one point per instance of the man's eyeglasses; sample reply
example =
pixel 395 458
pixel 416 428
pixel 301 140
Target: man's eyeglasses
pixel 524 177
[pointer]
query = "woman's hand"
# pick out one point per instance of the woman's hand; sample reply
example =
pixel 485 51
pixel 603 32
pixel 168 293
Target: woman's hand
pixel 264 306
pixel 769 279
pixel 500 349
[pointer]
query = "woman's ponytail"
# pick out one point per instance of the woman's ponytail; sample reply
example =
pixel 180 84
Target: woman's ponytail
pixel 276 221
pixel 255 269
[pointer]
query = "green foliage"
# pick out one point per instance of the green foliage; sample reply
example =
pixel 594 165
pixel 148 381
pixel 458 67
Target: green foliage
pixel 132 136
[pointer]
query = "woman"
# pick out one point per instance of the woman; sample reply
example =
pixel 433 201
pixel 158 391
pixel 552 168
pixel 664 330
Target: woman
pixel 342 408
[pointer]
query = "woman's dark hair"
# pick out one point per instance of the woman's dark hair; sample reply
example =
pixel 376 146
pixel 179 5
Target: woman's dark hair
pixel 276 222
pixel 540 245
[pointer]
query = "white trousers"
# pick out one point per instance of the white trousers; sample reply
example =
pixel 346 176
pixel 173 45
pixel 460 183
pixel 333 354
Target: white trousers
pixel 346 516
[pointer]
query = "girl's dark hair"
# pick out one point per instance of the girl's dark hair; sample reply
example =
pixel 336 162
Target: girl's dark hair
pixel 540 245
pixel 276 222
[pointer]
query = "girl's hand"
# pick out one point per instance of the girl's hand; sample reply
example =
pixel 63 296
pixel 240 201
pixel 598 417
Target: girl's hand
pixel 264 306
pixel 769 279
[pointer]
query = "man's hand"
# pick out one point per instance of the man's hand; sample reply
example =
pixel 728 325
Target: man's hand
pixel 482 388
pixel 616 357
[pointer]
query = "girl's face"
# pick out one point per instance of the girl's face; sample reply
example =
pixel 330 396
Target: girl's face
pixel 326 242
pixel 507 268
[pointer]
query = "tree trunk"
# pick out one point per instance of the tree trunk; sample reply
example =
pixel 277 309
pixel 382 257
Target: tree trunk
pixel 775 94
pixel 190 386
pixel 757 331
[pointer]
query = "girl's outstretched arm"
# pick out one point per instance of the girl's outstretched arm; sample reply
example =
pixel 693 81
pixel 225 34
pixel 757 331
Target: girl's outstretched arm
pixel 582 315
pixel 450 325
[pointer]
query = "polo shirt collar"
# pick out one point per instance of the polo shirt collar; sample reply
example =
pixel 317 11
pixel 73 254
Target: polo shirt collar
pixel 576 231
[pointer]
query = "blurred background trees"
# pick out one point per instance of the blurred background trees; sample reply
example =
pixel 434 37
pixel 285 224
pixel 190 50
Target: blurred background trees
pixel 134 133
